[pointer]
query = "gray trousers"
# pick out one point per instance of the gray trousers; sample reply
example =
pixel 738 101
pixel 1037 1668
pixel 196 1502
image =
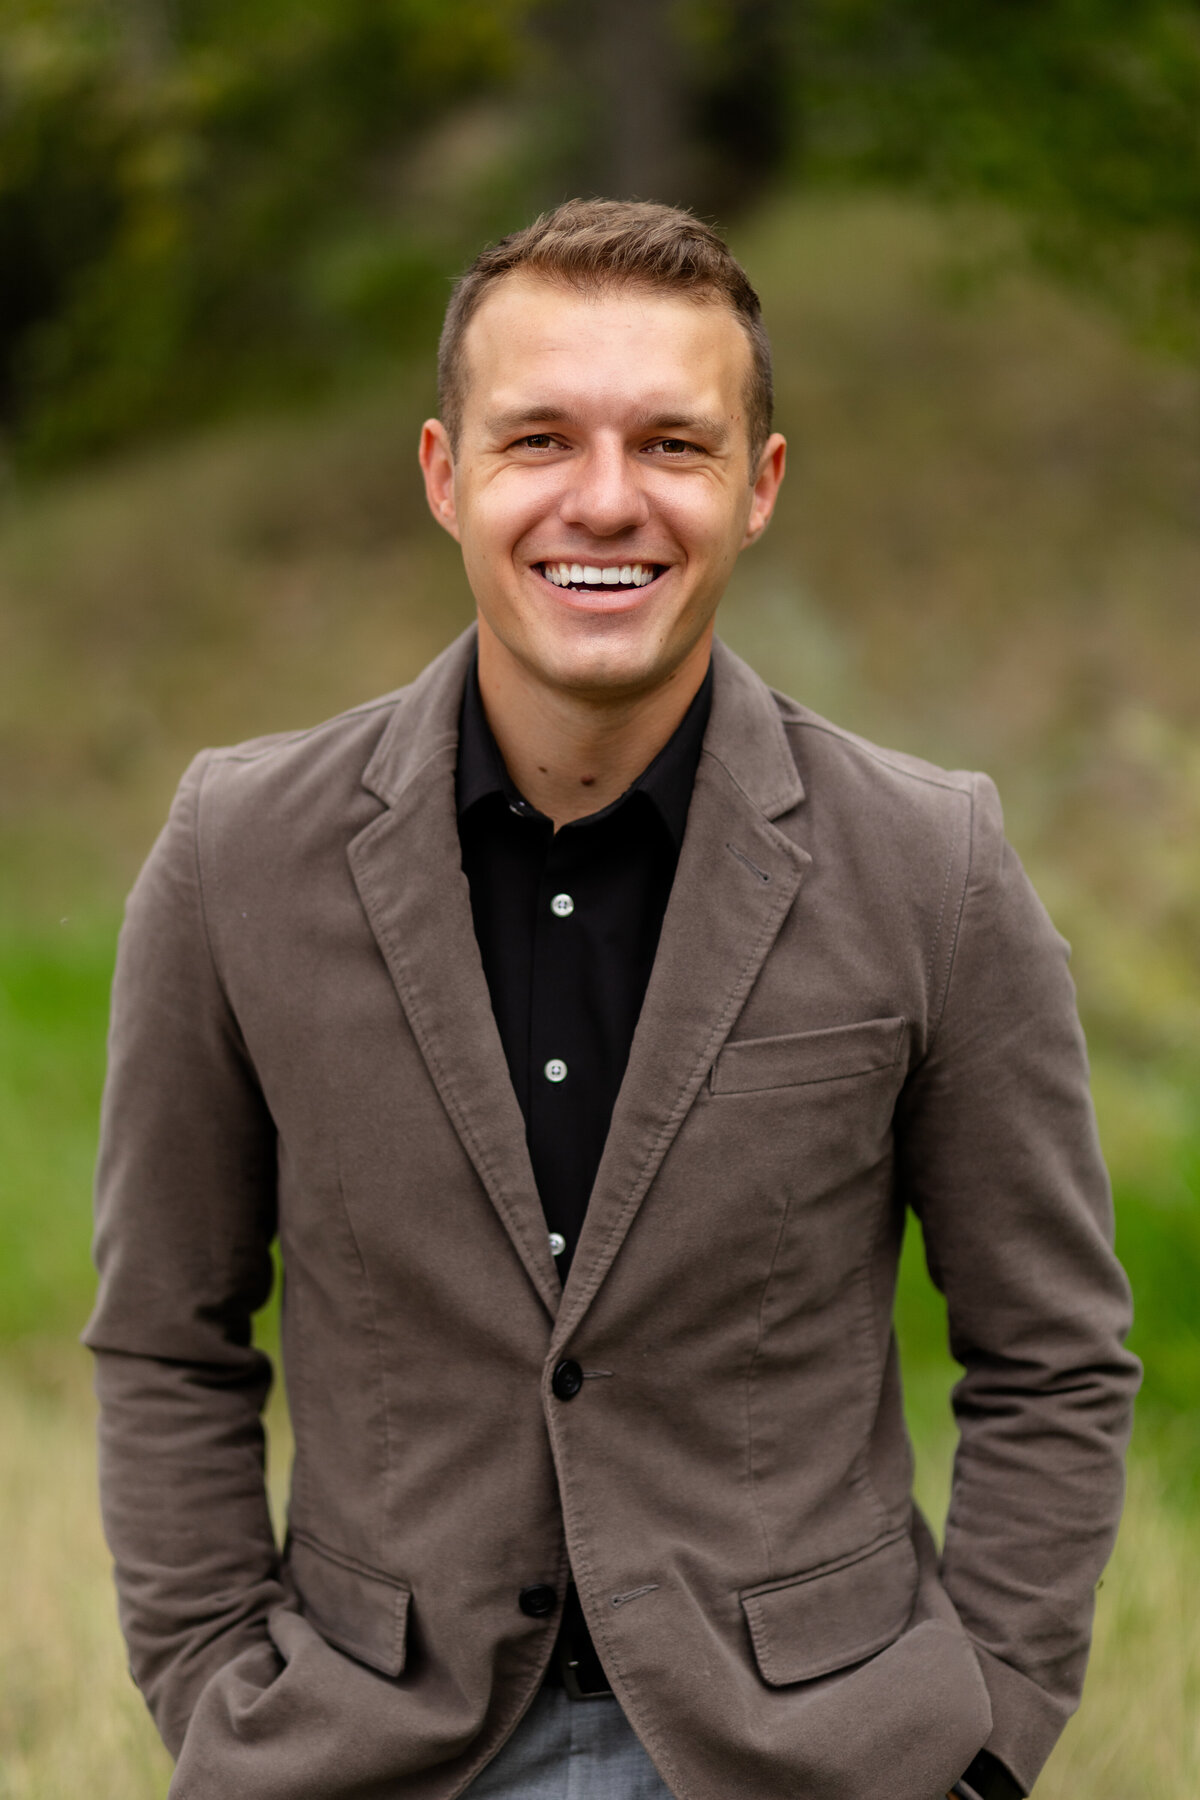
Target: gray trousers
pixel 566 1749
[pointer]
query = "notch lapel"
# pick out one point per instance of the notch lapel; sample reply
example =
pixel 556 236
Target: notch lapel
pixel 737 877
pixel 407 868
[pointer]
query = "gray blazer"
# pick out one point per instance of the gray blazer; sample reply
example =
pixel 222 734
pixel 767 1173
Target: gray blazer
pixel 858 1005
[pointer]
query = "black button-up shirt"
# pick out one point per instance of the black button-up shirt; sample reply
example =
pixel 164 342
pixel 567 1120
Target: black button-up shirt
pixel 568 925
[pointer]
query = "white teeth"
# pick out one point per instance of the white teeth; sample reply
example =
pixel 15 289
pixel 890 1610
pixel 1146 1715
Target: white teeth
pixel 563 574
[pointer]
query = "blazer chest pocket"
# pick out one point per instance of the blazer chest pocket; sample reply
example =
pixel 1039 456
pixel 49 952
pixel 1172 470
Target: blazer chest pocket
pixel 753 1064
pixel 832 1616
pixel 356 1609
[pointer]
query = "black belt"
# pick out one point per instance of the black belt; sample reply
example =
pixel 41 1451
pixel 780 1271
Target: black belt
pixel 574 1666
pixel 987 1779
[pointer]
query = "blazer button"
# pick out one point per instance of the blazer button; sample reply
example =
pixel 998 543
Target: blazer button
pixel 567 1380
pixel 536 1601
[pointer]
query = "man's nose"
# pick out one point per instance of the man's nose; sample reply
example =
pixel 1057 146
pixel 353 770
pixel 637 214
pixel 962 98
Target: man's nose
pixel 605 497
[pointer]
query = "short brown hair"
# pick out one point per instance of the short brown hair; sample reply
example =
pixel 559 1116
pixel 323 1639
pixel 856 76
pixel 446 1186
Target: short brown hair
pixel 594 245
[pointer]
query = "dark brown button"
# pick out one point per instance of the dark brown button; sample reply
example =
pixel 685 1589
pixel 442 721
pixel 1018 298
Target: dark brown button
pixel 567 1379
pixel 536 1601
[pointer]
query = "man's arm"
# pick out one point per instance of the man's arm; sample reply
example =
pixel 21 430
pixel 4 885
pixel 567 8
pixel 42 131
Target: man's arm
pixel 1000 1159
pixel 185 1217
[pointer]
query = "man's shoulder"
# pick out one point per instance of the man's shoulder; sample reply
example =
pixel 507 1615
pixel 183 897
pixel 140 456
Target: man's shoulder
pixel 268 793
pixel 832 752
pixel 346 737
pixel 887 807
pixel 369 748
pixel 884 796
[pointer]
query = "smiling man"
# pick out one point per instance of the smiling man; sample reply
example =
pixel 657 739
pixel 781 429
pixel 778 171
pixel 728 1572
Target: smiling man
pixel 582 1020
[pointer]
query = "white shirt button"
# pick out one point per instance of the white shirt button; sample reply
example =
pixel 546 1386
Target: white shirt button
pixel 558 1243
pixel 555 1069
pixel 562 906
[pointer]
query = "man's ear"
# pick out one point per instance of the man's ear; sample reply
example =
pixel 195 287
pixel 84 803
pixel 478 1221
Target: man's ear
pixel 437 466
pixel 771 465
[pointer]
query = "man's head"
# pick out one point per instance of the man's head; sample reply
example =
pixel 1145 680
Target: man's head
pixel 594 246
pixel 605 453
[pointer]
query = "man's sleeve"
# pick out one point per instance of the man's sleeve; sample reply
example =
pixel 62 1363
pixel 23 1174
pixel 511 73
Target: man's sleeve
pixel 1000 1159
pixel 185 1217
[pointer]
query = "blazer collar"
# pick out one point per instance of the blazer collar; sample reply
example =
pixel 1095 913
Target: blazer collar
pixel 745 733
pixel 423 724
pixel 746 736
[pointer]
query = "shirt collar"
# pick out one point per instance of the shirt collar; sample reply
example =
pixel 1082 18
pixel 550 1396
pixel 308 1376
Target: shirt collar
pixel 666 782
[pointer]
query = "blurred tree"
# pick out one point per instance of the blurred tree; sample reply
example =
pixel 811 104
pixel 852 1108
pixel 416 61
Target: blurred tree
pixel 203 201
pixel 680 100
pixel 1080 117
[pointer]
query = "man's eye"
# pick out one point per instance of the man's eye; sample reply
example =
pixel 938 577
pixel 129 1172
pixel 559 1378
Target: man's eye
pixel 673 447
pixel 537 440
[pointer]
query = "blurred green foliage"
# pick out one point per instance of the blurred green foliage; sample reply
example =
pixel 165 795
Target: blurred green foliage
pixel 1080 116
pixel 206 200
pixel 205 203
pixel 53 1008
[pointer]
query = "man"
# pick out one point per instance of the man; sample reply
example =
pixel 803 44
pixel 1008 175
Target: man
pixel 583 1018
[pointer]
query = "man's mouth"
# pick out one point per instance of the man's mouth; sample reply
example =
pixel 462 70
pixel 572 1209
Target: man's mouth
pixel 590 575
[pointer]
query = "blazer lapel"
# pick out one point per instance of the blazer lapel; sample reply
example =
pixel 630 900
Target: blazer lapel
pixel 737 877
pixel 407 867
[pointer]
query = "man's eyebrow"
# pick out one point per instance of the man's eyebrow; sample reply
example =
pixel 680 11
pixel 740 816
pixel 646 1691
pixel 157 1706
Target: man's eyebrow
pixel 700 425
pixel 666 424
pixel 527 418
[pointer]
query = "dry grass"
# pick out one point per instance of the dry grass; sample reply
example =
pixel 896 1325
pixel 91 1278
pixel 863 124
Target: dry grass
pixel 72 1724
pixel 1137 1734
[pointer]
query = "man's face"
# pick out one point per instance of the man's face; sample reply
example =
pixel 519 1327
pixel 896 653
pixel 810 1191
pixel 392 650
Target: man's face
pixel 601 490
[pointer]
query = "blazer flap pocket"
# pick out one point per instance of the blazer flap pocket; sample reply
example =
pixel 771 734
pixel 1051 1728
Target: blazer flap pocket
pixel 357 1609
pixel 806 1056
pixel 833 1616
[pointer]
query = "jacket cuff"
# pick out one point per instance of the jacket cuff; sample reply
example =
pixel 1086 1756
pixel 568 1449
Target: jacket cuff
pixel 1026 1722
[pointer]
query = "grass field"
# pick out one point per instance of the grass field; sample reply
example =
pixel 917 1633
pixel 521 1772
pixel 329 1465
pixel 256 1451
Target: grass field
pixel 990 554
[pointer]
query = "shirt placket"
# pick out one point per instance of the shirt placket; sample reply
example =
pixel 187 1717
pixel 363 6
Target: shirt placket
pixel 558 1050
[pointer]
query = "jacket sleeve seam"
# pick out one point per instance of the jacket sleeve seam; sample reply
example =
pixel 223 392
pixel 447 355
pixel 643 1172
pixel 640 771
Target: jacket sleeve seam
pixel 205 764
pixel 955 930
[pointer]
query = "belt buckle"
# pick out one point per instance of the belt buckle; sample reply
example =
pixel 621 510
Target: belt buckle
pixel 579 1667
pixel 569 1670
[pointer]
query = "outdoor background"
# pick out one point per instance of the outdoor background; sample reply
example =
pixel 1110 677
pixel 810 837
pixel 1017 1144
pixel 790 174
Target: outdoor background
pixel 226 234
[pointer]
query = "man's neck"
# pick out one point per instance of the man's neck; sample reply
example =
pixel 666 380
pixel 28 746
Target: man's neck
pixel 571 754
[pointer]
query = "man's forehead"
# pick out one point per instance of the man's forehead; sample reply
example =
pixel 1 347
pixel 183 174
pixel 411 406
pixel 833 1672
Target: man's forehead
pixel 565 340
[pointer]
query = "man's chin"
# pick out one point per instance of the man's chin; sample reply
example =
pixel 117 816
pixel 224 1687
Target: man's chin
pixel 596 658
pixel 604 671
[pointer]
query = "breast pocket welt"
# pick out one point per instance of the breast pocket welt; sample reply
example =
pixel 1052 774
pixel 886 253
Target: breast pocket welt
pixel 807 1058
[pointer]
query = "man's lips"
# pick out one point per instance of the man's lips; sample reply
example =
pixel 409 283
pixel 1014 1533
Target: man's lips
pixel 584 577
